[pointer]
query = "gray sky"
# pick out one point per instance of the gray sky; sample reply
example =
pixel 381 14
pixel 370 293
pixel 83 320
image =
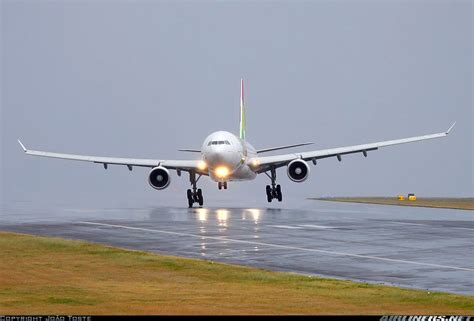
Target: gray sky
pixel 142 79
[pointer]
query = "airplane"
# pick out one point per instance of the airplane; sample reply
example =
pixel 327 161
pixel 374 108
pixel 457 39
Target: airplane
pixel 226 157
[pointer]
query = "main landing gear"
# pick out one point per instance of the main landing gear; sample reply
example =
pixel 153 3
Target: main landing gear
pixel 222 185
pixel 194 195
pixel 273 191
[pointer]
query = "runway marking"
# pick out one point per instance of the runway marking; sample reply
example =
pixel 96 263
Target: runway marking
pixel 406 223
pixel 464 228
pixel 285 226
pixel 286 247
pixel 318 226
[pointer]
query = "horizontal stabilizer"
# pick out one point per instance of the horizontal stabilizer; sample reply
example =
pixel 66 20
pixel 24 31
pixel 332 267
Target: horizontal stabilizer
pixel 282 147
pixel 189 150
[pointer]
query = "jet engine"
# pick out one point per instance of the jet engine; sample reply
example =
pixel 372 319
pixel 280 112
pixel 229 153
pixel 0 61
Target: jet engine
pixel 159 178
pixel 298 170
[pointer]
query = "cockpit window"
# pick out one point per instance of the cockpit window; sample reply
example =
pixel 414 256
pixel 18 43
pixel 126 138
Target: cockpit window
pixel 218 142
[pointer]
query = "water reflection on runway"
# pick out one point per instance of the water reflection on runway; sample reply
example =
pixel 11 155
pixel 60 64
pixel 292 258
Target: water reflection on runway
pixel 222 215
pixel 221 218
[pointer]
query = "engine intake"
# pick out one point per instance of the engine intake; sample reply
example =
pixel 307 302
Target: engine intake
pixel 159 178
pixel 298 170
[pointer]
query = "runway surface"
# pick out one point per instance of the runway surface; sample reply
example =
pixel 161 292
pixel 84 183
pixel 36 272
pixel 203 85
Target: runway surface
pixel 421 248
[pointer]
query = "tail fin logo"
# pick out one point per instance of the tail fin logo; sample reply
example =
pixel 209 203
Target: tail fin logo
pixel 242 111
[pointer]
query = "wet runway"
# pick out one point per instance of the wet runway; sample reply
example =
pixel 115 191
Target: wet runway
pixel 411 247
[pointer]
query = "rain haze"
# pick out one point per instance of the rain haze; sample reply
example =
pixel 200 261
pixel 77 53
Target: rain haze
pixel 143 79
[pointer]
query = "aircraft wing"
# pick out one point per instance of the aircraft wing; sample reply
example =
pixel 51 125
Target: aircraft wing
pixel 264 163
pixel 185 165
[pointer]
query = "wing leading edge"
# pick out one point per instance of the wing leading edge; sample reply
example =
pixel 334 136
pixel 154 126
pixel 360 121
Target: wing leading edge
pixel 185 165
pixel 267 162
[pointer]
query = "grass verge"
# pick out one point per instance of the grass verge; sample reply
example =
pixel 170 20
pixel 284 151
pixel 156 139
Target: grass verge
pixel 40 275
pixel 436 202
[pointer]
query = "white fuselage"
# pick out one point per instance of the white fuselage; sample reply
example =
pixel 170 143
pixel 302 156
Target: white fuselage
pixel 227 157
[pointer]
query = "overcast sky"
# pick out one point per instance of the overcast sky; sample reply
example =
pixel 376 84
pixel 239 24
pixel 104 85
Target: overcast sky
pixel 144 78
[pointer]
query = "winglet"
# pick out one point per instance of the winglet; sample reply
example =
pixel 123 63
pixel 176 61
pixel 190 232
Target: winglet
pixel 452 126
pixel 22 146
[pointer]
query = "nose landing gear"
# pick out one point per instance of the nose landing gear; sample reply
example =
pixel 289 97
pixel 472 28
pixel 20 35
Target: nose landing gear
pixel 194 195
pixel 273 191
pixel 222 185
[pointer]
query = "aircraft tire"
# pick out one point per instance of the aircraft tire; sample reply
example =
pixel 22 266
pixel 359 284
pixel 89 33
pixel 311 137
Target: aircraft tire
pixel 269 194
pixel 190 198
pixel 200 198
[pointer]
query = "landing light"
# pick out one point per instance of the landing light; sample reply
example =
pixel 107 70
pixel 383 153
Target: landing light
pixel 255 162
pixel 222 172
pixel 202 165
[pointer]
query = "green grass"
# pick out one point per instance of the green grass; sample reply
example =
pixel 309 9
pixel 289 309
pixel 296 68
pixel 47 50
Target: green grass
pixel 436 202
pixel 40 275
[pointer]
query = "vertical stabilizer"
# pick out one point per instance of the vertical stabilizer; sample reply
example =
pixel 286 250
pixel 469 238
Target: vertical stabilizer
pixel 242 110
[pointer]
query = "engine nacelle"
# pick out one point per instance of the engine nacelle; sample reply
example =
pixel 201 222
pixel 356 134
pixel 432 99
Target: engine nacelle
pixel 159 178
pixel 298 170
